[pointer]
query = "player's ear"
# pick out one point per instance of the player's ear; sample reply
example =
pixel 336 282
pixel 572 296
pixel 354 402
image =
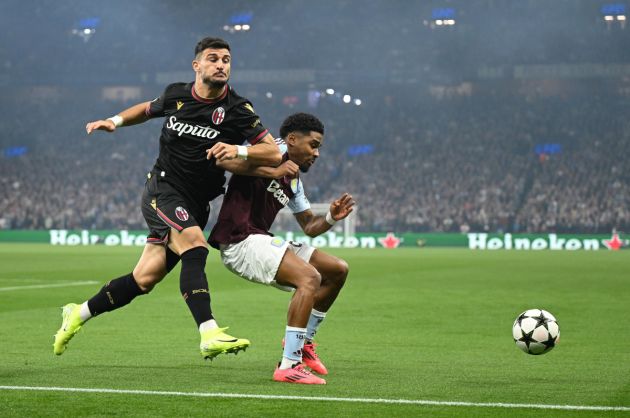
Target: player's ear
pixel 291 138
pixel 195 65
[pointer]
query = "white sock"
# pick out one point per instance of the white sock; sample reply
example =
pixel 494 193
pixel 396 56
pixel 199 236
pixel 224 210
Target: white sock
pixel 314 321
pixel 84 312
pixel 293 345
pixel 208 325
pixel 287 363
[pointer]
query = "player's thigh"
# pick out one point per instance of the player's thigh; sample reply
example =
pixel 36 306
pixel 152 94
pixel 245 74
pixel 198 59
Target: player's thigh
pixel 172 218
pixel 181 241
pixel 295 272
pixel 151 268
pixel 329 266
pixel 257 258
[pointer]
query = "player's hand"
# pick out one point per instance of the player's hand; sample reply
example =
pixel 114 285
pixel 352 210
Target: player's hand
pixel 100 125
pixel 287 169
pixel 342 207
pixel 222 151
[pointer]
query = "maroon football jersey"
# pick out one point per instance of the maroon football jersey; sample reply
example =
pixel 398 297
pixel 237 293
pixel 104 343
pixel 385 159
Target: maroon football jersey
pixel 251 204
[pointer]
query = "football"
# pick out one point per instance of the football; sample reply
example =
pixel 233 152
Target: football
pixel 536 331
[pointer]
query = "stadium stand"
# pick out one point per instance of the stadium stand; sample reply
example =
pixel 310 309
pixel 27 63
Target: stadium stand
pixel 458 129
pixel 456 164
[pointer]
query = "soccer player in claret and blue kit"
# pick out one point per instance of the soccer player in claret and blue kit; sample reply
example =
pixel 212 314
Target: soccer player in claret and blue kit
pixel 201 118
pixel 248 248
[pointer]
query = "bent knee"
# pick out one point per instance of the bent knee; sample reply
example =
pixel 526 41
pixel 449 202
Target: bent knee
pixel 340 272
pixel 195 243
pixel 181 247
pixel 342 268
pixel 146 282
pixel 311 280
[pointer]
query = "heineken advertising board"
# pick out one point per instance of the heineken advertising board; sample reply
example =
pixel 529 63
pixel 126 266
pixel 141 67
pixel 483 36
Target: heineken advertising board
pixel 473 241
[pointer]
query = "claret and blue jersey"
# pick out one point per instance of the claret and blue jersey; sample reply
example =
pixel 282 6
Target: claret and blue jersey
pixel 251 204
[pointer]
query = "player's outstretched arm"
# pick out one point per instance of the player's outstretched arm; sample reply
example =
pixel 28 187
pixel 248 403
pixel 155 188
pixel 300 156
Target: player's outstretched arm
pixel 265 152
pixel 313 225
pixel 286 169
pixel 131 116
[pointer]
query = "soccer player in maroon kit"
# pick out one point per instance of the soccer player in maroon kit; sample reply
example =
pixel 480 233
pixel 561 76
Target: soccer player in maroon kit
pixel 252 252
pixel 206 114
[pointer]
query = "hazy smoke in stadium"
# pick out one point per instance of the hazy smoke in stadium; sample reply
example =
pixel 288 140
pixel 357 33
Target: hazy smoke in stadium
pixel 374 69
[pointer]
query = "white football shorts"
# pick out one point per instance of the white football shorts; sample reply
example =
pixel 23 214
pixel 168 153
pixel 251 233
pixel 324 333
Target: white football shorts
pixel 258 257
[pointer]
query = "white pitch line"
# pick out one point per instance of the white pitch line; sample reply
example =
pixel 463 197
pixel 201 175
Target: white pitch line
pixel 320 398
pixel 46 286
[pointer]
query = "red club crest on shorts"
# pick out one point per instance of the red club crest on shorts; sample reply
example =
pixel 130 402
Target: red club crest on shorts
pixel 181 214
pixel 218 115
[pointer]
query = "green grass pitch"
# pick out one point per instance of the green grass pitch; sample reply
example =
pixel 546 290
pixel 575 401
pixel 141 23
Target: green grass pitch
pixel 411 324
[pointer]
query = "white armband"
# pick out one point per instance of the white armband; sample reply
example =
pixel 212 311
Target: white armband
pixel 330 219
pixel 241 152
pixel 118 120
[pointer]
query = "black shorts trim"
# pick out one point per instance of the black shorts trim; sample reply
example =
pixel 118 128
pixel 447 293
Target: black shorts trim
pixel 157 240
pixel 169 222
pixel 165 209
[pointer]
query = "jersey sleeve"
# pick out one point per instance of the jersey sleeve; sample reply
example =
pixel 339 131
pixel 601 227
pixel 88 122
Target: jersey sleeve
pixel 282 146
pixel 248 124
pixel 299 203
pixel 157 106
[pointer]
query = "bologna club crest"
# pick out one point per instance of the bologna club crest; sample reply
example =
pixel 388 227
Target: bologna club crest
pixel 218 115
pixel 181 214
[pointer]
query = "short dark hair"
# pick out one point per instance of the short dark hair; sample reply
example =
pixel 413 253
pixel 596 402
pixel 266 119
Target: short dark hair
pixel 301 122
pixel 208 42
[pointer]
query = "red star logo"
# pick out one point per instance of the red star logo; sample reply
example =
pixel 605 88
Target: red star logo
pixel 614 243
pixel 390 241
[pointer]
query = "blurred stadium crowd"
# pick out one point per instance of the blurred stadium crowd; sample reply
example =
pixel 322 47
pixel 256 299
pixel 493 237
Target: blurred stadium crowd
pixel 468 162
pixel 452 132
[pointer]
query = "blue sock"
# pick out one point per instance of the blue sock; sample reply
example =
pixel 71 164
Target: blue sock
pixel 293 344
pixel 314 322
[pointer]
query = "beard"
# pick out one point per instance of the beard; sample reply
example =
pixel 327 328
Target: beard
pixel 304 168
pixel 214 84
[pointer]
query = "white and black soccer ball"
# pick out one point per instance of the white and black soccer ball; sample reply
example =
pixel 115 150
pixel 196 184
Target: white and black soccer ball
pixel 536 331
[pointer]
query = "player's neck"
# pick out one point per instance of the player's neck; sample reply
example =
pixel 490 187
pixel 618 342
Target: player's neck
pixel 206 92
